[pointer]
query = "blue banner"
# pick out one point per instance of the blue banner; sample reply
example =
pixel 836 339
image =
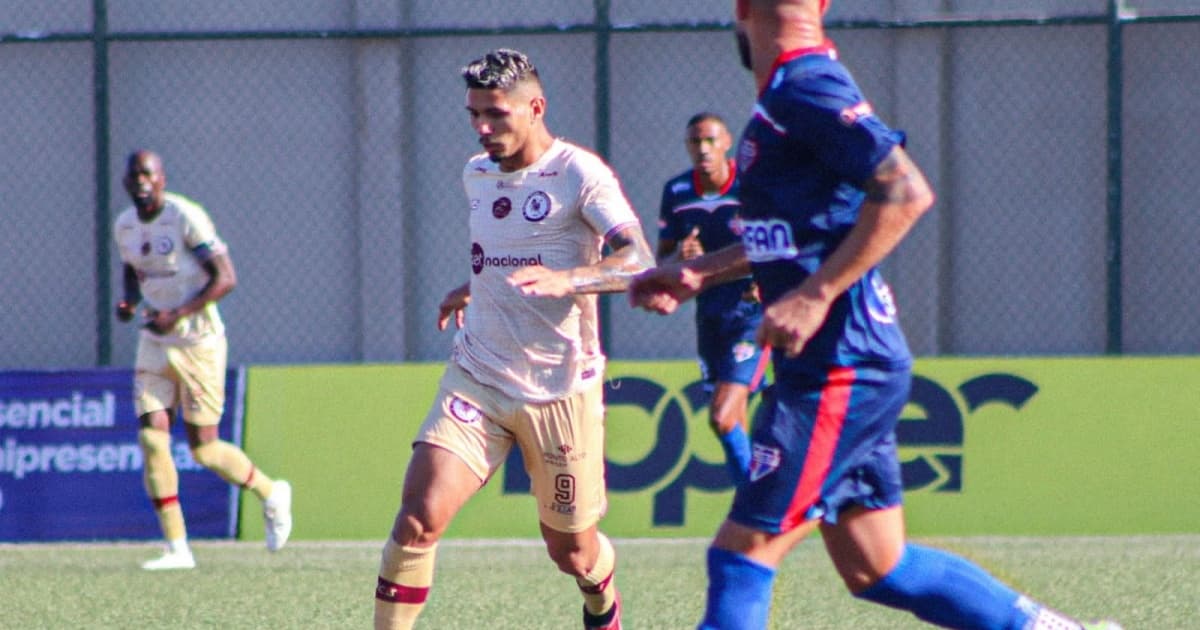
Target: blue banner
pixel 71 468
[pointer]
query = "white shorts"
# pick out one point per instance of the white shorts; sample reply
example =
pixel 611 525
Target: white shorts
pixel 190 377
pixel 562 443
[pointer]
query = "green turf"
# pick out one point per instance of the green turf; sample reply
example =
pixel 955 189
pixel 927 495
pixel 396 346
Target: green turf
pixel 1146 582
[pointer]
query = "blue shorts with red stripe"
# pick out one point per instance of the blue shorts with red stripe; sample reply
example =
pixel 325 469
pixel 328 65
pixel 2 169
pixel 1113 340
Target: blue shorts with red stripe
pixel 823 446
pixel 727 348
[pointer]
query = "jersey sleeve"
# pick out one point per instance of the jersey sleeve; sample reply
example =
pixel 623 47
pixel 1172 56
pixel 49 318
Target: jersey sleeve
pixel 199 233
pixel 669 226
pixel 604 205
pixel 826 112
pixel 118 227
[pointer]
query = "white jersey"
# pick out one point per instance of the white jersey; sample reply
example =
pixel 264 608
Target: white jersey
pixel 170 273
pixel 556 213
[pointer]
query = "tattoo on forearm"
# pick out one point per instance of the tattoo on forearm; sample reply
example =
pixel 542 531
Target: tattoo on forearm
pixel 630 256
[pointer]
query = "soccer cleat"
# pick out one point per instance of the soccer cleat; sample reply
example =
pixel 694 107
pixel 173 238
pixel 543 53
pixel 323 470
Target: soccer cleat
pixel 1105 624
pixel 610 620
pixel 277 515
pixel 171 560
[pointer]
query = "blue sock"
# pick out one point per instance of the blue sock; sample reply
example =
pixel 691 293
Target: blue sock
pixel 949 591
pixel 739 592
pixel 737 455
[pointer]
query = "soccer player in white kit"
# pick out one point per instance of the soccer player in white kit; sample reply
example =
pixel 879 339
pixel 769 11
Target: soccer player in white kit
pixel 526 366
pixel 175 263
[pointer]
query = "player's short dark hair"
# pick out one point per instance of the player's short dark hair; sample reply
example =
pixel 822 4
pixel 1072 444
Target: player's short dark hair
pixel 500 69
pixel 703 116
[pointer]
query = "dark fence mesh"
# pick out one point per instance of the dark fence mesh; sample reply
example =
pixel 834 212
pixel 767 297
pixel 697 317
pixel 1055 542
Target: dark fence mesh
pixel 327 142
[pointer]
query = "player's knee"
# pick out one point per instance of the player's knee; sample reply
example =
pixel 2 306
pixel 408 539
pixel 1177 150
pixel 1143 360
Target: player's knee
pixel 206 454
pixel 569 559
pixel 416 527
pixel 154 441
pixel 723 423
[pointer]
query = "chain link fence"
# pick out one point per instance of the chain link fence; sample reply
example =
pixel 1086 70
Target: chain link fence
pixel 327 141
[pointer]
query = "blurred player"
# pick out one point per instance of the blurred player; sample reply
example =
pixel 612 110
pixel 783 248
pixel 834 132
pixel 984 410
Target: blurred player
pixel 526 367
pixel 175 262
pixel 827 192
pixel 698 213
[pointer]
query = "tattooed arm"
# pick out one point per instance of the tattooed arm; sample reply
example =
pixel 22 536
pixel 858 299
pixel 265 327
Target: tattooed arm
pixel 630 256
pixel 897 196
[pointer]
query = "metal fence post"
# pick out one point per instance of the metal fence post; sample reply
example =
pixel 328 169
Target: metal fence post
pixel 1113 344
pixel 103 216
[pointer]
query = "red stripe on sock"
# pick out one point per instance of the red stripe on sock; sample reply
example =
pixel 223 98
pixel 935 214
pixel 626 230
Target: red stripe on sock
pixel 831 416
pixel 597 588
pixel 163 502
pixel 399 593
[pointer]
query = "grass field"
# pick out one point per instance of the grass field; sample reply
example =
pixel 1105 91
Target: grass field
pixel 1146 582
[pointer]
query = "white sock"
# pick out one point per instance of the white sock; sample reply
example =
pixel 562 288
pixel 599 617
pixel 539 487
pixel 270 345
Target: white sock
pixel 179 545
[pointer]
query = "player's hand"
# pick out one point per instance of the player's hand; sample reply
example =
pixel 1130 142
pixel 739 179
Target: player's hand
pixel 790 322
pixel 455 303
pixel 161 322
pixel 690 246
pixel 662 289
pixel 126 310
pixel 538 281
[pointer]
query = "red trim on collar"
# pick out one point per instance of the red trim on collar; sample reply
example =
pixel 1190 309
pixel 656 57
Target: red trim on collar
pixel 825 48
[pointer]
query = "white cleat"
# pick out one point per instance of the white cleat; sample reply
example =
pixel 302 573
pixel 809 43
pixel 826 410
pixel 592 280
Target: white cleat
pixel 277 515
pixel 171 560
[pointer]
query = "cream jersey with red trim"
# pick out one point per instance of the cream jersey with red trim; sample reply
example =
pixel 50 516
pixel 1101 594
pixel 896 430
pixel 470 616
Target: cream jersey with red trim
pixel 168 254
pixel 556 213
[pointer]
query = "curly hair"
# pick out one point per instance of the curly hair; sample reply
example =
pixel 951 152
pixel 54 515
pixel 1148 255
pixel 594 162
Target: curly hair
pixel 500 69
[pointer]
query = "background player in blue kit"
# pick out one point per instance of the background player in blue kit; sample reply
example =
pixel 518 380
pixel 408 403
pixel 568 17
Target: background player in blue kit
pixel 699 213
pixel 827 192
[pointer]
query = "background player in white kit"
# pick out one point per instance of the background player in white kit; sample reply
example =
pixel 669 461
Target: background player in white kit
pixel 176 263
pixel 527 367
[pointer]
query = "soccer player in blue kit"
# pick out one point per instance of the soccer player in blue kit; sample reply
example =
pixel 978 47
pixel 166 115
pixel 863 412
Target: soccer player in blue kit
pixel 698 213
pixel 827 192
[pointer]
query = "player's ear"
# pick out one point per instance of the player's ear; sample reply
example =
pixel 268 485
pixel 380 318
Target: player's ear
pixel 537 108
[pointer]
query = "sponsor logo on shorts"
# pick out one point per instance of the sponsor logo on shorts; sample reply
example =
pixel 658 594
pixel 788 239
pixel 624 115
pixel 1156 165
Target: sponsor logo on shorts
pixel 479 260
pixel 464 411
pixel 562 508
pixel 566 455
pixel 536 206
pixel 501 207
pixel 743 351
pixel 764 460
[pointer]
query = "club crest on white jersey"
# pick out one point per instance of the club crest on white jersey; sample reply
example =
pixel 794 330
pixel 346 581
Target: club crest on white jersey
pixel 536 206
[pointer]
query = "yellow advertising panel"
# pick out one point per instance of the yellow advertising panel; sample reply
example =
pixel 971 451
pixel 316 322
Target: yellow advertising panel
pixel 988 446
